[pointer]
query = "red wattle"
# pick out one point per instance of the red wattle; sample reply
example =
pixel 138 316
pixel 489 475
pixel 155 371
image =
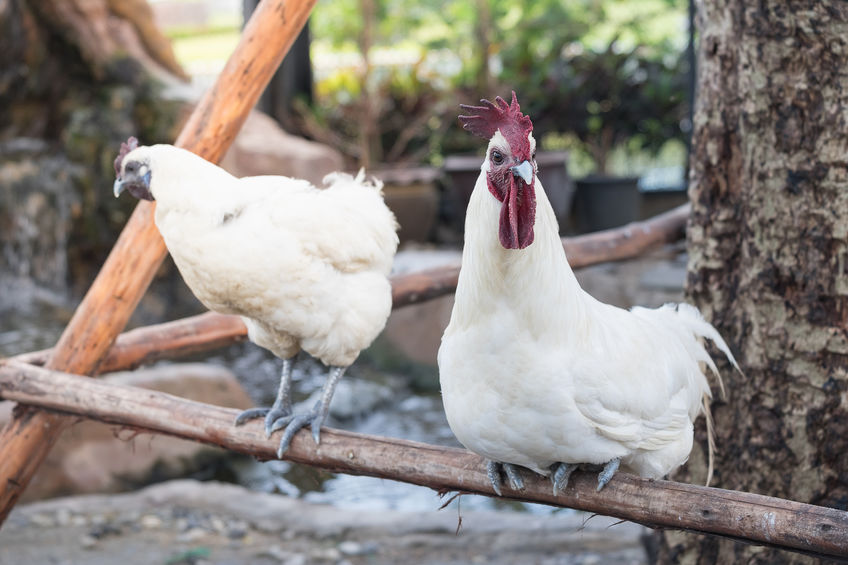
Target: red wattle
pixel 518 214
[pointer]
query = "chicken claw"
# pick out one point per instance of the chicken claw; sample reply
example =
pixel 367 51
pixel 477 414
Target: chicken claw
pixel 314 418
pixel 493 471
pixel 281 407
pixel 294 424
pixel 608 472
pixel 560 472
pixel 271 415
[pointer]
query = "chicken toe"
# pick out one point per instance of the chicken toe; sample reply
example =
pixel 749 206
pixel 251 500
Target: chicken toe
pixel 607 473
pixel 560 474
pixel 314 418
pixel 271 415
pixel 511 471
pixel 281 408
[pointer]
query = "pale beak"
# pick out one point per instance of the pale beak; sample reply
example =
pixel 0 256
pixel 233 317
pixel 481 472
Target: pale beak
pixel 524 170
pixel 118 187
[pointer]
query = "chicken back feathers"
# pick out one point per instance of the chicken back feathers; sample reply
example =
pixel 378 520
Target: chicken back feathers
pixel 305 267
pixel 536 372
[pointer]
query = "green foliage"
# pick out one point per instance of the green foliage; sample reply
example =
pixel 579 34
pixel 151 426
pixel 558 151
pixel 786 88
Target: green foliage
pixel 606 73
pixel 610 98
pixel 409 107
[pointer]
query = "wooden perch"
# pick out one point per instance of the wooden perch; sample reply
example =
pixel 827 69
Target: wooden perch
pixel 753 518
pixel 139 251
pixel 211 330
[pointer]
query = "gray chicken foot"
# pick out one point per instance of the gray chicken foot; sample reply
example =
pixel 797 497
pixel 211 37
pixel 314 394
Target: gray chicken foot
pixel 314 418
pixel 511 471
pixel 560 472
pixel 608 472
pixel 282 404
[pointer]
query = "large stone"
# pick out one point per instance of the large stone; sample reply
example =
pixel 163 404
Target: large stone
pixel 416 331
pixel 36 205
pixel 262 147
pixel 94 457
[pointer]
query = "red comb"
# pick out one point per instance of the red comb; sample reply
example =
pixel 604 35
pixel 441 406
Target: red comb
pixel 485 120
pixel 131 144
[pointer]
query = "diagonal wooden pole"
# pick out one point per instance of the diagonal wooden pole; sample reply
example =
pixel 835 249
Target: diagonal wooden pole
pixel 127 272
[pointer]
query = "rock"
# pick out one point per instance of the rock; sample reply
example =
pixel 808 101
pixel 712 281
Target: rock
pixel 416 331
pixel 36 206
pixel 93 457
pixel 262 147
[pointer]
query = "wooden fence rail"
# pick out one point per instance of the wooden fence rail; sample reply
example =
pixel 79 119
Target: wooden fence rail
pixel 785 524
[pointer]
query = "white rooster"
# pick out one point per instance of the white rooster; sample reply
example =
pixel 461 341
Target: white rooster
pixel 305 268
pixel 534 371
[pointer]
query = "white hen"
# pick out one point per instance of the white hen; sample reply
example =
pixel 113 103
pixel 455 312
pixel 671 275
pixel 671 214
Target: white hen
pixel 306 268
pixel 537 373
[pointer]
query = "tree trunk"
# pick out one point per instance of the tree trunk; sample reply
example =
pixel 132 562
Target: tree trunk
pixel 768 243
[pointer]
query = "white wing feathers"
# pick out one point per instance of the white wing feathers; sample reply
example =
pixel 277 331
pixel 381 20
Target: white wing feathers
pixel 290 258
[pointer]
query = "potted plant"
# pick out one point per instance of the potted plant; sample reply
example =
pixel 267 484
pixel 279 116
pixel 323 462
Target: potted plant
pixel 386 129
pixel 612 99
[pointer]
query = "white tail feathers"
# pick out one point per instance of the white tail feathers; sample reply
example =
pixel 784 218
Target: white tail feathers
pixel 692 319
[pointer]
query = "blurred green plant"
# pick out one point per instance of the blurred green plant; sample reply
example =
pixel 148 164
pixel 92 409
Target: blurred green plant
pixel 633 99
pixel 606 74
pixel 410 111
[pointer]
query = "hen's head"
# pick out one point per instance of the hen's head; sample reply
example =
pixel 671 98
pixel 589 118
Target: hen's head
pixel 132 170
pixel 510 165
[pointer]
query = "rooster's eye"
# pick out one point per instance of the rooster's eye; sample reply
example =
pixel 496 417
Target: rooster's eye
pixel 497 157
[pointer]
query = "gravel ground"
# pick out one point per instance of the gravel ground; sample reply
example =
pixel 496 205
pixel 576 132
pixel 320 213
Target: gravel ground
pixel 189 522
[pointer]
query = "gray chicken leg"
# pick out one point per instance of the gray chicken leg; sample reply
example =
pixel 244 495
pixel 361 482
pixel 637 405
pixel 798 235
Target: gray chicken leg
pixel 314 418
pixel 608 472
pixel 282 404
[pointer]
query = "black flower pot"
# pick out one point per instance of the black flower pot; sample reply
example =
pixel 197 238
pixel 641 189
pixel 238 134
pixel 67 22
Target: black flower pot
pixel 604 202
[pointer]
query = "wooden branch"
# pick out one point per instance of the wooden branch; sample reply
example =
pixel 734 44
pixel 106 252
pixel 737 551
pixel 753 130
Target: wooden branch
pixel 628 241
pixel 754 518
pixel 179 338
pixel 212 330
pixel 615 244
pixel 137 254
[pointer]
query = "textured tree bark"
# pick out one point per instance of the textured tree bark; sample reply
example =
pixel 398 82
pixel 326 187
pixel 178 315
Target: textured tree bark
pixel 768 263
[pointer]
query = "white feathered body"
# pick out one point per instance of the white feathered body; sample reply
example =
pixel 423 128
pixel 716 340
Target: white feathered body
pixel 305 267
pixel 534 371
